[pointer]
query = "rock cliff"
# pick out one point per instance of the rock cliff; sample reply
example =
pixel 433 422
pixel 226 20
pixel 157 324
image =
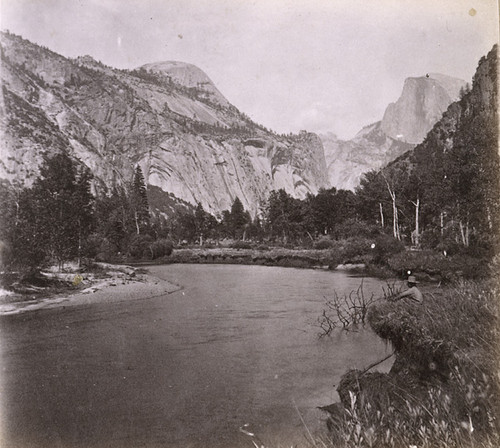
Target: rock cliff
pixel 405 124
pixel 167 117
pixel 420 106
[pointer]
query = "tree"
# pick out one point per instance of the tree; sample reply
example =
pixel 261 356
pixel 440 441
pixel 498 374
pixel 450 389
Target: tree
pixel 139 202
pixel 238 219
pixel 53 218
pixel 84 205
pixel 205 223
pixel 284 216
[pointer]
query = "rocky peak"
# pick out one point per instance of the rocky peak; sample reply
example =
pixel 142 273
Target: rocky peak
pixel 188 75
pixel 187 142
pixel 87 60
pixel 405 123
pixel 420 106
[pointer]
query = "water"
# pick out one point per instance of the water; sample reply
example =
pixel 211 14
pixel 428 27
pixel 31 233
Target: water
pixel 237 345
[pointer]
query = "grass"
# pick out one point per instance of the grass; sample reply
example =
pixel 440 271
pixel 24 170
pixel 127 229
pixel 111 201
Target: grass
pixel 443 389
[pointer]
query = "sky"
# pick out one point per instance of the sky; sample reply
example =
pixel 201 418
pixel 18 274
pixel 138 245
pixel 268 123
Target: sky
pixel 318 65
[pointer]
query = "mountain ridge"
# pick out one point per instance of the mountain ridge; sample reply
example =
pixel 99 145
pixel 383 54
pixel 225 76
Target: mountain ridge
pixel 187 143
pixel 405 123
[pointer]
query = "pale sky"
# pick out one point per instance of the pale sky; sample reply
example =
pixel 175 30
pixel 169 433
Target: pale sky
pixel 319 65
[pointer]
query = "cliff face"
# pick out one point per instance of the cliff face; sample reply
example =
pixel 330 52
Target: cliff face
pixel 442 346
pixel 168 117
pixel 405 124
pixel 420 106
pixel 370 149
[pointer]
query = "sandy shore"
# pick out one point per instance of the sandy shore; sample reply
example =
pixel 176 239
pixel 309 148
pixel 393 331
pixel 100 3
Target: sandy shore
pixel 120 284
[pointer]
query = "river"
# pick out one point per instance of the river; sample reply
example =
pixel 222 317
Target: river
pixel 237 345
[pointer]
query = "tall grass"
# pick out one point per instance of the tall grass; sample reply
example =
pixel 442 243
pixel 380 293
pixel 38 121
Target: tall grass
pixel 443 390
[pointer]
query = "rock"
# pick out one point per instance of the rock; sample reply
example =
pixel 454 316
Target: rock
pixel 168 117
pixel 405 124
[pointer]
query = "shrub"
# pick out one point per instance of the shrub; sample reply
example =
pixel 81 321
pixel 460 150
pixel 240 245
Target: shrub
pixel 418 261
pixel 355 249
pixel 324 242
pixel 239 244
pixel 139 246
pixel 443 388
pixel 161 248
pixel 385 246
pixel 355 228
pixel 435 263
pixel 107 250
pixel 93 245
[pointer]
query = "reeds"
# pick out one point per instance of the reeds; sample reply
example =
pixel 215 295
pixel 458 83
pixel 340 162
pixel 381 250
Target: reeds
pixel 443 390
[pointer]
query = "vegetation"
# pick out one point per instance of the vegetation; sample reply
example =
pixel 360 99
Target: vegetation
pixel 442 390
pixel 347 310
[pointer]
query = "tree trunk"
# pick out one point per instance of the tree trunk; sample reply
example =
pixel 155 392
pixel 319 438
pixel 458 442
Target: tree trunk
pixel 381 214
pixel 395 222
pixel 395 219
pixel 79 244
pixel 416 241
pixel 464 232
pixel 136 219
pixel 488 217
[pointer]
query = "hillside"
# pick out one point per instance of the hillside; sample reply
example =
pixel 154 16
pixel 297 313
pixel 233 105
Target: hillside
pixel 167 117
pixel 405 124
pixel 455 172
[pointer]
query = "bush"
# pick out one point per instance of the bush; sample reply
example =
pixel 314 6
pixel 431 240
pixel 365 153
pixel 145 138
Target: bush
pixel 161 248
pixel 239 244
pixel 385 246
pixel 443 388
pixel 435 263
pixel 324 242
pixel 93 245
pixel 140 246
pixel 355 249
pixel 351 250
pixel 427 261
pixel 107 250
pixel 355 228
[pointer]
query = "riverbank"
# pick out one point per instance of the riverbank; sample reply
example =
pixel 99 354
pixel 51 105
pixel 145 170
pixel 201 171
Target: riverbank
pixel 378 261
pixel 103 283
pixel 443 388
pixel 298 258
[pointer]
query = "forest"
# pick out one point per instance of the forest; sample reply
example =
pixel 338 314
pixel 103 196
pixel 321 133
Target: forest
pixel 442 197
pixel 444 202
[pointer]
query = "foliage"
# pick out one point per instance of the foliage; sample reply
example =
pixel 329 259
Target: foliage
pixel 51 219
pixel 324 242
pixel 161 248
pixel 139 202
pixel 443 388
pixel 241 245
pixel 447 187
pixel 385 246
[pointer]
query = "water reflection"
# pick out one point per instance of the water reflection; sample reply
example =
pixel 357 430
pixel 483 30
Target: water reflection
pixel 237 345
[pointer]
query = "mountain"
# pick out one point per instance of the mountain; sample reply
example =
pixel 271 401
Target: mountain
pixel 188 75
pixel 420 106
pixel 455 172
pixel 168 117
pixel 405 123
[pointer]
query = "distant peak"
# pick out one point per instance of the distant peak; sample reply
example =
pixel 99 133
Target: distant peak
pixel 188 75
pixel 86 60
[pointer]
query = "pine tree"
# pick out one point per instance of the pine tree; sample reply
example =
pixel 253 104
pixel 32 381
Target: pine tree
pixel 54 216
pixel 139 202
pixel 239 219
